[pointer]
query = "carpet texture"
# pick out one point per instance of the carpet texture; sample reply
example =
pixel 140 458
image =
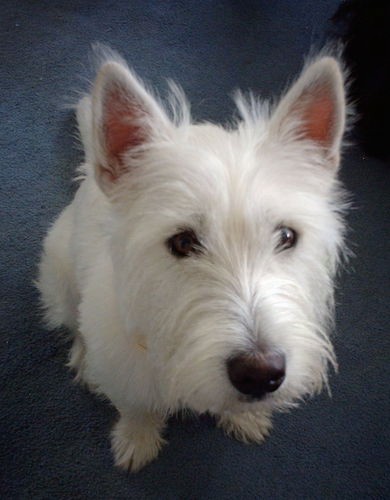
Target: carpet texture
pixel 53 434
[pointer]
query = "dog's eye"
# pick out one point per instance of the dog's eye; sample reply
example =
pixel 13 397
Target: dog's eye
pixel 287 238
pixel 184 244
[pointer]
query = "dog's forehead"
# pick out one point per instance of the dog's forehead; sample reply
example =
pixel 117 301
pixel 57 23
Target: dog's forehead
pixel 228 177
pixel 218 156
pixel 232 146
pixel 241 165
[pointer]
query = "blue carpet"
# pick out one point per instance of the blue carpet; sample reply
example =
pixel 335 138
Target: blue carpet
pixel 53 434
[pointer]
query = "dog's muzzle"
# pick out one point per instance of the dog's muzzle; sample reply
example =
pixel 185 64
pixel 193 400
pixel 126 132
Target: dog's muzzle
pixel 257 373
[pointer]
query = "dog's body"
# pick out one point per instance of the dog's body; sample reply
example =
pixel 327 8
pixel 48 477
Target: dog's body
pixel 195 265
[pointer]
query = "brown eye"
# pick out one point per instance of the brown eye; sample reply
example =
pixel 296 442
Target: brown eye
pixel 287 238
pixel 184 244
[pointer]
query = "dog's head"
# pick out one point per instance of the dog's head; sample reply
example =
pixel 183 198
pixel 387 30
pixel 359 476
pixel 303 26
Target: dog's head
pixel 225 241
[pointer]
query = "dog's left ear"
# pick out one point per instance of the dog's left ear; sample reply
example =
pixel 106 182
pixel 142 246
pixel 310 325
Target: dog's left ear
pixel 125 118
pixel 314 110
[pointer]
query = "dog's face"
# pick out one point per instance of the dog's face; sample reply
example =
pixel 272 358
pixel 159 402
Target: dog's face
pixel 225 242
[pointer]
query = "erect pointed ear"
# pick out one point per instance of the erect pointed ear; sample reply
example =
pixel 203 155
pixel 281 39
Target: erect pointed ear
pixel 125 116
pixel 314 110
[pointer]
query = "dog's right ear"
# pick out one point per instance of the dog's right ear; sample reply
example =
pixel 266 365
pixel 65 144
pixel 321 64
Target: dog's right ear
pixel 125 118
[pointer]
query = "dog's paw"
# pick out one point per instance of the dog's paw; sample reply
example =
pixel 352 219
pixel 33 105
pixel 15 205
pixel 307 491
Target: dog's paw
pixel 247 427
pixel 136 442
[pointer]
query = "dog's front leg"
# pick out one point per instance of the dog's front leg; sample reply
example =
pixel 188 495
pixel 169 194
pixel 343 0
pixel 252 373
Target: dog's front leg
pixel 247 426
pixel 136 439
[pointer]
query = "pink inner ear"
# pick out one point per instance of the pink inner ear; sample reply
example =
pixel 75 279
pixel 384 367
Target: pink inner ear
pixel 318 119
pixel 122 127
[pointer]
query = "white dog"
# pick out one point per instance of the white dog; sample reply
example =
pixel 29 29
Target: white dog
pixel 195 265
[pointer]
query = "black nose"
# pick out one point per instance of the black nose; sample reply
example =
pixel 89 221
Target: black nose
pixel 257 373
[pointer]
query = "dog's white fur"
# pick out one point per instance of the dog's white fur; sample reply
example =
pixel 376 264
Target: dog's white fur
pixel 153 332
